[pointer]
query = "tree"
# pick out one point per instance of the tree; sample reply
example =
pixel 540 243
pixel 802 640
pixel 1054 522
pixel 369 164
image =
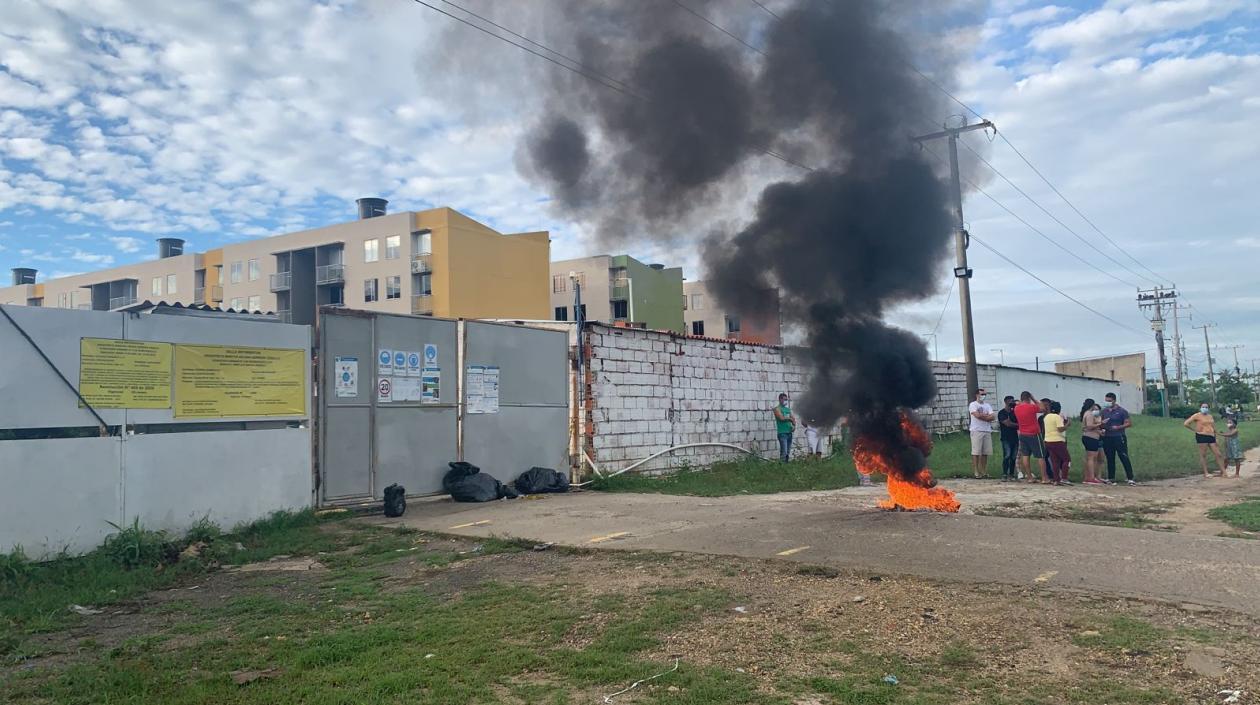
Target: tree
pixel 1231 388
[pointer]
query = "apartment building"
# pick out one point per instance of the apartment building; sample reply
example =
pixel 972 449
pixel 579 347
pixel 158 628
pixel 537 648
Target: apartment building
pixel 435 262
pixel 705 317
pixel 619 289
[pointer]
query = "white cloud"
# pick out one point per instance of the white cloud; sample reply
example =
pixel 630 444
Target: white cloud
pixel 1039 15
pixel 1252 242
pixel 127 244
pixel 91 258
pixel 1183 45
pixel 1118 26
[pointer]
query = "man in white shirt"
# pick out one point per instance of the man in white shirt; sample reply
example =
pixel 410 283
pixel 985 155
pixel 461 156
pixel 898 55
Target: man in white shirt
pixel 981 427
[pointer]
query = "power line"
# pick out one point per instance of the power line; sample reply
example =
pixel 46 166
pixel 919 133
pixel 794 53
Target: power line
pixel 768 10
pixel 590 74
pixel 719 28
pixel 1077 210
pixel 1060 222
pixel 949 294
pixel 1062 293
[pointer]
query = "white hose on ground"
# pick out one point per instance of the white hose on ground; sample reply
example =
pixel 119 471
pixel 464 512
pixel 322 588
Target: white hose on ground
pixel 658 454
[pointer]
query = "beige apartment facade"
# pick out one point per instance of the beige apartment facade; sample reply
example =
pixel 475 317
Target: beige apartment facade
pixel 1130 369
pixel 619 289
pixel 705 317
pixel 434 262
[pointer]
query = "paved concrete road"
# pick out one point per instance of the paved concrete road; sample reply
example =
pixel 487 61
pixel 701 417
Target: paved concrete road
pixel 839 529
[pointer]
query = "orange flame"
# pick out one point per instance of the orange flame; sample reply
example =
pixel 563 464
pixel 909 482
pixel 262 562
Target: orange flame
pixel 920 492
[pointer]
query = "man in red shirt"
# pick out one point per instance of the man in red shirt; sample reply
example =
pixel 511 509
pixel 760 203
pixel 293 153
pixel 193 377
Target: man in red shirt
pixel 1029 441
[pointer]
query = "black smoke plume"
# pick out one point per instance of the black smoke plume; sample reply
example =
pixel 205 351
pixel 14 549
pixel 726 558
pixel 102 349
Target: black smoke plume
pixel 832 87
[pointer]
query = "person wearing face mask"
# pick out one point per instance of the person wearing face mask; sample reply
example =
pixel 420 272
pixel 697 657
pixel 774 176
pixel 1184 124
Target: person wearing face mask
pixel 1115 443
pixel 981 434
pixel 1204 427
pixel 1008 426
pixel 1091 438
pixel 784 425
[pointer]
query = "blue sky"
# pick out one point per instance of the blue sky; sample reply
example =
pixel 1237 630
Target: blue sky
pixel 126 120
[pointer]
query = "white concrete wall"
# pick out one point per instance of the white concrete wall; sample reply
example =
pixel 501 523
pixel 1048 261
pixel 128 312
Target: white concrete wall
pixel 63 493
pixel 652 390
pixel 1065 389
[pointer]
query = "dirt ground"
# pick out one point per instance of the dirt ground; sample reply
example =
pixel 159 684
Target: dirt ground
pixel 801 634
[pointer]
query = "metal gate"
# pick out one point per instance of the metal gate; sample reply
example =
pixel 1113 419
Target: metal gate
pixel 401 396
pixel 385 421
pixel 529 426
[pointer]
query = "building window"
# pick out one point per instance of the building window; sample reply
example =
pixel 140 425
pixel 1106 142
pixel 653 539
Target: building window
pixel 170 284
pixel 424 284
pixel 697 327
pixel 697 302
pixel 62 300
pixel 684 302
pixel 393 247
pixel 371 250
pixel 557 286
pixel 732 324
pixel 369 289
pixel 620 310
pixel 562 313
pixel 424 243
pixel 236 303
pixel 234 274
pixel 254 271
pixel 218 275
pixel 255 303
pixel 156 288
pixel 393 287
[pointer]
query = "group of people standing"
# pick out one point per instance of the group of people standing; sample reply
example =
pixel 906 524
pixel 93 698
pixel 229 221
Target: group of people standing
pixel 1204 426
pixel 1036 428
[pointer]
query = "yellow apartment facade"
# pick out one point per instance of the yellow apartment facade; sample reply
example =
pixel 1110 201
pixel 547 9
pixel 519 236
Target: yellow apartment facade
pixel 435 262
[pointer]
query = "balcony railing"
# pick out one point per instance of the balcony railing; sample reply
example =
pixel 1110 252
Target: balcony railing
pixel 421 264
pixel 281 281
pixel 422 304
pixel 199 295
pixel 216 293
pixel 330 274
pixel 120 301
pixel 619 292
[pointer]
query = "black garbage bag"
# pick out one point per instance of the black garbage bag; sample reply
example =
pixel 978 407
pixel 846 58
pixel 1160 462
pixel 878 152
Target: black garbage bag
pixel 395 500
pixel 538 480
pixel 465 482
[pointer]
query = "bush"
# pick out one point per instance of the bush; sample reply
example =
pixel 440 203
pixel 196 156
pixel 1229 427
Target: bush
pixel 1175 411
pixel 135 546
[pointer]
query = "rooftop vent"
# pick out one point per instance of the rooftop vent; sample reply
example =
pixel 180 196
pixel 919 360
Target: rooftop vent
pixel 23 275
pixel 170 247
pixel 657 267
pixel 371 207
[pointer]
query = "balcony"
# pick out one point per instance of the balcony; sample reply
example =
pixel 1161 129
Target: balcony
pixel 620 291
pixel 117 302
pixel 421 264
pixel 330 274
pixel 199 295
pixel 281 281
pixel 422 305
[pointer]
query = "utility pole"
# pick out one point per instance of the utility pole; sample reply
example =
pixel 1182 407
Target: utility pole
pixel 1002 352
pixel 1157 299
pixel 1235 348
pixel 1207 345
pixel 961 240
pixel 1179 351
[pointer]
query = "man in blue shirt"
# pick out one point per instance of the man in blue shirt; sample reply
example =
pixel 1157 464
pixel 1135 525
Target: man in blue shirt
pixel 1115 420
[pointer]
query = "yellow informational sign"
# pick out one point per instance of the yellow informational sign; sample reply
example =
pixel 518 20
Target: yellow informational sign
pixel 225 381
pixel 125 374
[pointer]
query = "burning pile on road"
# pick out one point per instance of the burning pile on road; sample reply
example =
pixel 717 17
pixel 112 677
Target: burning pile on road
pixel 897 447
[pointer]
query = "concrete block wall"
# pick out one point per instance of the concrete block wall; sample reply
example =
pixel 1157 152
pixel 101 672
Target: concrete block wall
pixel 651 390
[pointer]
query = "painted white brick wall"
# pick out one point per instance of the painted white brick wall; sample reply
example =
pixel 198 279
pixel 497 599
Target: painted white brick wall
pixel 652 390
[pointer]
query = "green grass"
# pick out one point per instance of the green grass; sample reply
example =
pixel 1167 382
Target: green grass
pixel 1159 448
pixel 1244 516
pixel 1120 635
pixel 35 596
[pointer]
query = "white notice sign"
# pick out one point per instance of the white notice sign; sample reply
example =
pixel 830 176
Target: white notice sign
pixel 413 364
pixel 406 389
pixel 384 389
pixel 490 390
pixel 385 362
pixel 473 376
pixel 346 376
